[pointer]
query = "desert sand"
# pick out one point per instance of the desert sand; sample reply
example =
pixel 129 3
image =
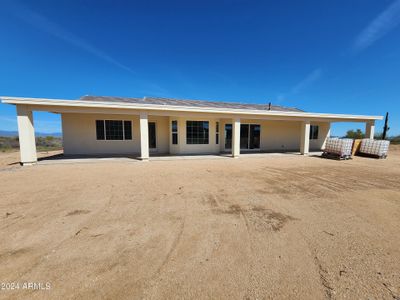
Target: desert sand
pixel 258 227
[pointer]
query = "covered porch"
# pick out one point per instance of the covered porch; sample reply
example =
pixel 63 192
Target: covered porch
pixel 158 135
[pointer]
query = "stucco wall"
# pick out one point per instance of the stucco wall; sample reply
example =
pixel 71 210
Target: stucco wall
pixel 323 133
pixel 280 136
pixel 162 134
pixel 274 135
pixel 184 148
pixel 79 135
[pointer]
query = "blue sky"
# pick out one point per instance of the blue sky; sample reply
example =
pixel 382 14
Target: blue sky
pixel 321 56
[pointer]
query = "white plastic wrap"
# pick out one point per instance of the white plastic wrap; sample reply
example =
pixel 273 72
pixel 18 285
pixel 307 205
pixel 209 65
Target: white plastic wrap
pixel 338 146
pixel 375 147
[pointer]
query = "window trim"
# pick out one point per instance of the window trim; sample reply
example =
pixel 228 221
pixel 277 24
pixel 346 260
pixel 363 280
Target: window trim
pixel 105 130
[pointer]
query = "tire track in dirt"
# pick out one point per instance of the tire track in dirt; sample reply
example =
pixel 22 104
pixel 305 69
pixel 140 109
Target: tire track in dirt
pixel 43 256
pixel 174 244
pixel 234 209
pixel 332 184
pixel 324 281
pixel 326 285
pixel 173 247
pixel 144 284
pixel 278 179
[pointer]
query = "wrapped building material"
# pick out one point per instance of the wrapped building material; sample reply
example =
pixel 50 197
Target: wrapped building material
pixel 378 148
pixel 339 147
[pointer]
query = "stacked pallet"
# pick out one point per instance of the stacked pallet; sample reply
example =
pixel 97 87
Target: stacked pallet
pixel 375 147
pixel 340 148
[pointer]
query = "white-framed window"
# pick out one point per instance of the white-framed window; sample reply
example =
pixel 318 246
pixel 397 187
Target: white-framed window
pixel 314 132
pixel 217 133
pixel 197 132
pixel 113 130
pixel 174 131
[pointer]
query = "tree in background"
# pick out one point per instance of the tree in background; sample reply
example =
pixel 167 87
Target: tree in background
pixel 357 134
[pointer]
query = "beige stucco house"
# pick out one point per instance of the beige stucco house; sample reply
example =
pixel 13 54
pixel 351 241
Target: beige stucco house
pixel 144 126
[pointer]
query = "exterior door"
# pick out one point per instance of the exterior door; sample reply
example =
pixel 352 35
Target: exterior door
pixel 254 136
pixel 228 136
pixel 249 136
pixel 152 135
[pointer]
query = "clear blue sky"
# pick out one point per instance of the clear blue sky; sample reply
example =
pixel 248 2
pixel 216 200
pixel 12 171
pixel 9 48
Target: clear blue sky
pixel 321 56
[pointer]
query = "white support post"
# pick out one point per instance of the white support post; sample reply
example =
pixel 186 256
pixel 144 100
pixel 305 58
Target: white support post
pixel 26 133
pixel 370 129
pixel 235 137
pixel 328 135
pixel 305 137
pixel 144 136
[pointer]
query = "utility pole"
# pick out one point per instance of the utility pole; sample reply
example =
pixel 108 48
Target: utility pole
pixel 385 128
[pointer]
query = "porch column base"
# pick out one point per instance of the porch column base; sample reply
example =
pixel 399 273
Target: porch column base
pixel 24 164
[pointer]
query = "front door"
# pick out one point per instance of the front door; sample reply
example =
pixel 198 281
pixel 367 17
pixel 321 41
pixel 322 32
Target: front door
pixel 152 135
pixel 249 136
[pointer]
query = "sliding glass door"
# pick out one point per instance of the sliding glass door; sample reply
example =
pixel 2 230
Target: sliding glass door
pixel 254 136
pixel 228 136
pixel 249 136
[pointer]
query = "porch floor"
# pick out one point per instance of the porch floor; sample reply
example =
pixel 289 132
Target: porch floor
pixel 61 159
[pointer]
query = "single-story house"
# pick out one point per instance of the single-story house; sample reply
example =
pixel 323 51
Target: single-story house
pixel 96 125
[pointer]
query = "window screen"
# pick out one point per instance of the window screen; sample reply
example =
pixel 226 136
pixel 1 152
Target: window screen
pixel 197 132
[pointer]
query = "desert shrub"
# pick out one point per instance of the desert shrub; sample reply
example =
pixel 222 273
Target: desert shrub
pixel 42 143
pixel 395 139
pixel 355 134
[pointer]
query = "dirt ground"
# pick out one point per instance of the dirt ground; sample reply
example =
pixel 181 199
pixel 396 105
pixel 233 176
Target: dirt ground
pixel 258 227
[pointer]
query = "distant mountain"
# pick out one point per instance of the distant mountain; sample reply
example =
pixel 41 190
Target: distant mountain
pixel 41 134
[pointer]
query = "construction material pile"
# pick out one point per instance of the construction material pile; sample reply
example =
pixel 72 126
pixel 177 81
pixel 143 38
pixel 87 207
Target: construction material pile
pixel 340 148
pixel 374 147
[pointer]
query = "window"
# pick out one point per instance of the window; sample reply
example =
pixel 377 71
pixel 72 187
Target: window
pixel 174 129
pixel 217 133
pixel 100 133
pixel 152 135
pixel 314 132
pixel 197 132
pixel 128 130
pixel 113 130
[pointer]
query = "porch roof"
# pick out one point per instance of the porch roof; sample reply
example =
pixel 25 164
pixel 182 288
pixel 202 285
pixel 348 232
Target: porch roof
pixel 186 106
